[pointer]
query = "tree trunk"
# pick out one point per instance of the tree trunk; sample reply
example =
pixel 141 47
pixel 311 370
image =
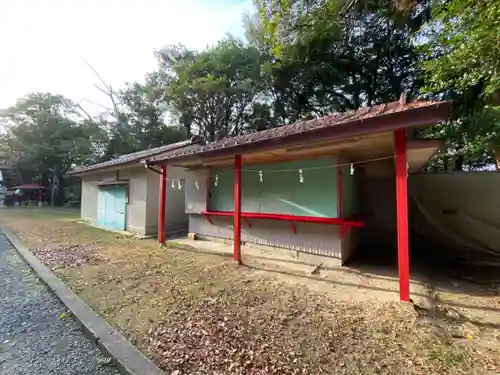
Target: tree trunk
pixel 459 163
pixel 57 191
pixel 53 191
pixel 45 179
pixel 60 190
pixel 496 152
pixel 187 129
pixel 211 133
pixel 445 163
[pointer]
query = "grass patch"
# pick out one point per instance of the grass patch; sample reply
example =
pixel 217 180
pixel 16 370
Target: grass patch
pixel 202 314
pixel 448 356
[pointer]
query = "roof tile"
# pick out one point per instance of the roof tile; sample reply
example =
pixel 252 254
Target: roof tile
pixel 138 156
pixel 299 128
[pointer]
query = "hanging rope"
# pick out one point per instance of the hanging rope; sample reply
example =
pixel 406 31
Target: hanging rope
pixel 299 171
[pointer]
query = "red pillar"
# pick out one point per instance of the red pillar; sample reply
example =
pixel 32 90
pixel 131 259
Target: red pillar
pixel 237 208
pixel 162 200
pixel 402 214
pixel 340 209
pixel 40 197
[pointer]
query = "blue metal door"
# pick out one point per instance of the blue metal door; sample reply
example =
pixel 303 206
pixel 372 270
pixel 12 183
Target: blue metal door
pixel 111 207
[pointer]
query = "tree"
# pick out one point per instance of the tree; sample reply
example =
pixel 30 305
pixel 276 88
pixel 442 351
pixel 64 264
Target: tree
pixel 135 119
pixel 48 135
pixel 217 92
pixel 462 45
pixel 142 120
pixel 337 55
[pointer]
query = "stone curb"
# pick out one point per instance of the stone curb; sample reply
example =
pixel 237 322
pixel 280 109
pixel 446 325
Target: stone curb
pixel 127 358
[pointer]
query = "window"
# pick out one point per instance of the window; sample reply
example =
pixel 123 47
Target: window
pixel 282 190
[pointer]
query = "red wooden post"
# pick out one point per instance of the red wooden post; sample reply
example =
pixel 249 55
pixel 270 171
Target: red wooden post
pixel 163 199
pixel 340 212
pixel 237 208
pixel 402 214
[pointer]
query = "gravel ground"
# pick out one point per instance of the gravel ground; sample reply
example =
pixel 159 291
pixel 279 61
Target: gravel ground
pixel 37 336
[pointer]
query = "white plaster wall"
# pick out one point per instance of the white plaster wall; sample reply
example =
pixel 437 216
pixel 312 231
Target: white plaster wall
pixel 89 201
pixel 462 206
pixel 136 206
pixel 176 219
pixel 349 244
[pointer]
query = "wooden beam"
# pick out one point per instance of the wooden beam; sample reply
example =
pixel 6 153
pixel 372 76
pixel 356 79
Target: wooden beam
pixel 402 214
pixel 340 209
pixel 237 208
pixel 162 202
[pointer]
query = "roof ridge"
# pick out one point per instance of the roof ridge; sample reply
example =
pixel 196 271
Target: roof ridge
pixel 138 155
pixel 305 126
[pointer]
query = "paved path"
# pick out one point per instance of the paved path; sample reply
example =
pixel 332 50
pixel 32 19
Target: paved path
pixel 35 339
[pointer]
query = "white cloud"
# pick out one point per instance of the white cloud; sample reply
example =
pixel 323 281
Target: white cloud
pixel 44 43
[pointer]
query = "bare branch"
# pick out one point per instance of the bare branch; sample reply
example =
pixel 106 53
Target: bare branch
pixel 97 104
pixel 84 111
pixel 112 97
pixel 97 74
pixel 107 91
pixel 102 90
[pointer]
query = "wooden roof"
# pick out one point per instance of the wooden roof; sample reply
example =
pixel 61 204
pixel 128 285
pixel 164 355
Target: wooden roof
pixel 135 156
pixel 376 119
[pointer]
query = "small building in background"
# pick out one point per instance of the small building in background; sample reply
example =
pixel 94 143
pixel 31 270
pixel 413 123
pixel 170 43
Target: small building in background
pixel 122 194
pixel 29 194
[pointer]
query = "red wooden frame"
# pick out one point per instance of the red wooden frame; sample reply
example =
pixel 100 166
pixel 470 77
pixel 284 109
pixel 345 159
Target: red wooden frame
pixel 345 225
pixel 248 223
pixel 286 217
pixel 340 207
pixel 237 208
pixel 162 199
pixel 209 219
pixel 402 214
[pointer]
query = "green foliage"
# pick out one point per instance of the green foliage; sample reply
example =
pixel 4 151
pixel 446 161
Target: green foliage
pixel 329 56
pixel 463 47
pixel 302 58
pixel 216 92
pixel 49 134
pixel 141 122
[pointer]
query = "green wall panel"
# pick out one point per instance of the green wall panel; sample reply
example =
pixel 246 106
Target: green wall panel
pixel 222 194
pixel 250 193
pixel 281 190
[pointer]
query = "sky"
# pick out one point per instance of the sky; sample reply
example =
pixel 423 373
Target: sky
pixel 44 44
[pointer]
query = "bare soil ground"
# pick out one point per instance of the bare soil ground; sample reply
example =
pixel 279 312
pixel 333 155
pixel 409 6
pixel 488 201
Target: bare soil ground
pixel 202 314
